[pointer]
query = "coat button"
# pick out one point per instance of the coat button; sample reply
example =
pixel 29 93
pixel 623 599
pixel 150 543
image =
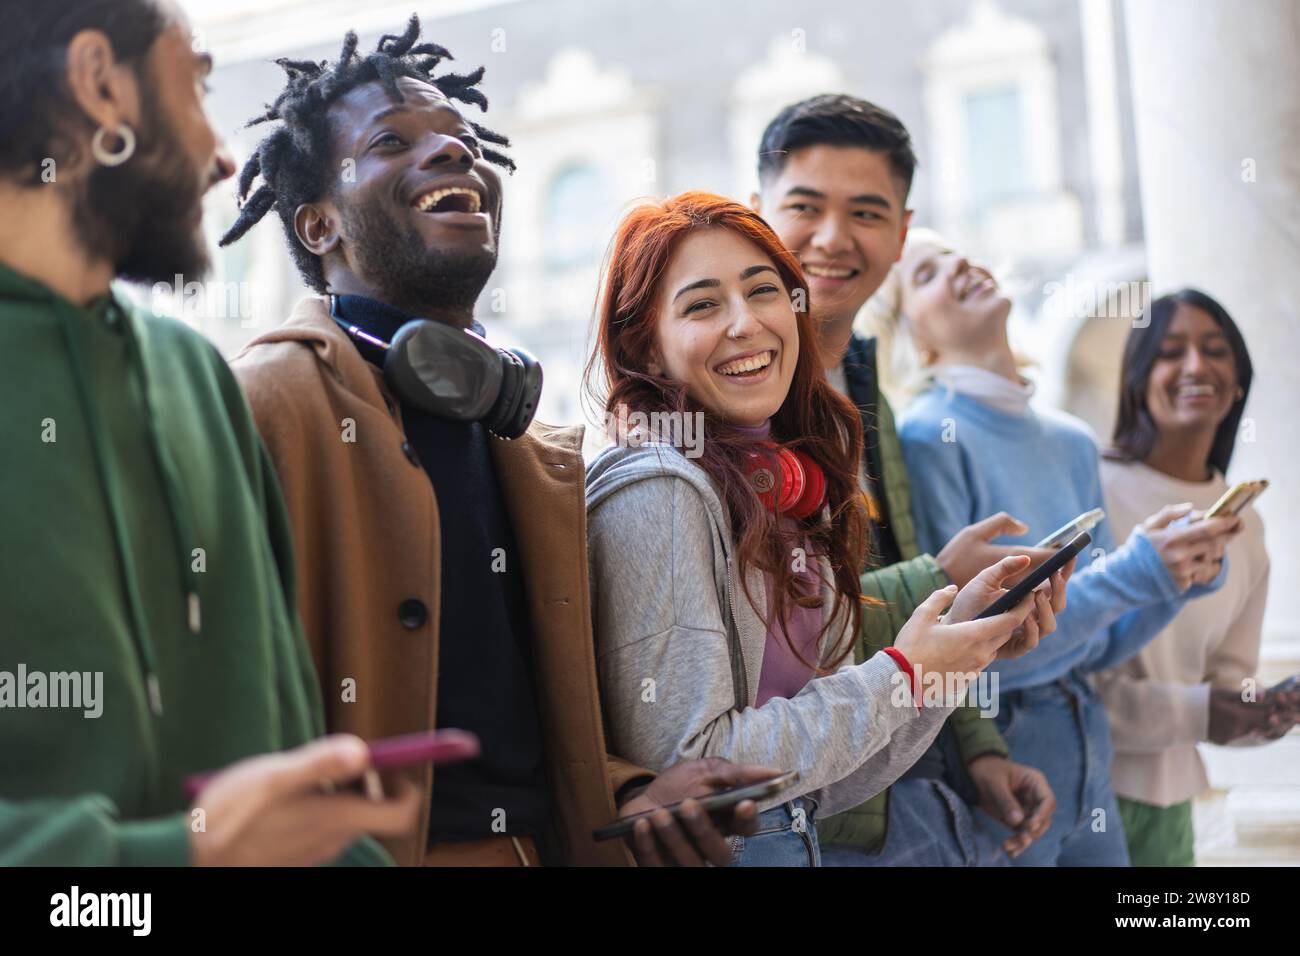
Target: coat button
pixel 409 450
pixel 412 613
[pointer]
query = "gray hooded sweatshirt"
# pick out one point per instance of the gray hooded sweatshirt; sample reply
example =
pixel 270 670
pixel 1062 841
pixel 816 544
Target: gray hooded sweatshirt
pixel 679 646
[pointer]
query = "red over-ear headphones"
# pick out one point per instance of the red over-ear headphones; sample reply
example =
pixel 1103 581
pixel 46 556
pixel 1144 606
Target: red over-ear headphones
pixel 787 481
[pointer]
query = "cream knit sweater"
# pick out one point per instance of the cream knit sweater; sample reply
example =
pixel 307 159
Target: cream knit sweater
pixel 1158 700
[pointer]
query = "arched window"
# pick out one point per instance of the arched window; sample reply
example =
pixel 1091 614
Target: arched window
pixel 994 146
pixel 993 113
pixel 577 212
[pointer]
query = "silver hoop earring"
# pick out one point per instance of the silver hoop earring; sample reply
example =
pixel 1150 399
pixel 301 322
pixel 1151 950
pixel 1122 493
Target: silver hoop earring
pixel 127 150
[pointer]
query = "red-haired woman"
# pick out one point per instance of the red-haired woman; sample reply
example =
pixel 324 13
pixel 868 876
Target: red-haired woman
pixel 724 575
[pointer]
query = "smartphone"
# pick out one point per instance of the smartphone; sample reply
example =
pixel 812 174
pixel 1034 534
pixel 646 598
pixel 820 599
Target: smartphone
pixel 1237 497
pixel 435 747
pixel 1037 576
pixel 1289 683
pixel 717 805
pixel 1085 522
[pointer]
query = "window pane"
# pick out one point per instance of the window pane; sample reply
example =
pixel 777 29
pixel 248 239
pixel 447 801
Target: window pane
pixel 993 145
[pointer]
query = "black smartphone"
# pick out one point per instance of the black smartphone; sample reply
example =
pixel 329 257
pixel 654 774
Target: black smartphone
pixel 717 805
pixel 1037 576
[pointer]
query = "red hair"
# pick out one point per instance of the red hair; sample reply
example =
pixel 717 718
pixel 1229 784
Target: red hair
pixel 814 417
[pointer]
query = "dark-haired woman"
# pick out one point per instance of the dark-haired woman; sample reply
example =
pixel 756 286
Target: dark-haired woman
pixel 724 615
pixel 1185 380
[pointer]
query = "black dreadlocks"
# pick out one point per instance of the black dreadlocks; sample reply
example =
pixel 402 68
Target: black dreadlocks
pixel 294 161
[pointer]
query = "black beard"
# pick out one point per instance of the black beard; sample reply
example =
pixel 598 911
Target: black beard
pixel 141 215
pixel 393 258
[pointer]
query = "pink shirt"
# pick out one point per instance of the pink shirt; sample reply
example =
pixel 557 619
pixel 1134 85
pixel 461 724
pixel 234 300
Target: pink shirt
pixel 783 674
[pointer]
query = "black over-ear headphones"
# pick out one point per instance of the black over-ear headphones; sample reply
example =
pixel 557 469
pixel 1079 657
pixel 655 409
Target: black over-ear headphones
pixel 457 374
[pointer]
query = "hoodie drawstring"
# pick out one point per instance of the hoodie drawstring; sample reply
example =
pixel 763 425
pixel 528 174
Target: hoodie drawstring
pixel 181 526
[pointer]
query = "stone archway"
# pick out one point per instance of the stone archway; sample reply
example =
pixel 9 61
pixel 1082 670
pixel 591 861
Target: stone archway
pixel 1092 365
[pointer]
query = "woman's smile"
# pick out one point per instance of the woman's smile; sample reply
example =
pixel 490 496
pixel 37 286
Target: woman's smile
pixel 748 368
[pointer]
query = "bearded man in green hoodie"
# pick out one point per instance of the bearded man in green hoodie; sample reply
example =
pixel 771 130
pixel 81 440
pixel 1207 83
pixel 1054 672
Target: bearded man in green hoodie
pixel 146 573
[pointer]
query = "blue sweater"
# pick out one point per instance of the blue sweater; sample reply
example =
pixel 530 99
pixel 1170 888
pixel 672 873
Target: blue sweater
pixel 968 460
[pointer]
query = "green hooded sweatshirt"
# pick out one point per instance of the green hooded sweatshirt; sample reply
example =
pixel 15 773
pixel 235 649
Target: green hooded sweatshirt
pixel 147 620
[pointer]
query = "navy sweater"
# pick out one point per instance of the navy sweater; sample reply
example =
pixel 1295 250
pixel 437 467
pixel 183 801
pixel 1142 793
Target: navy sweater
pixel 484 663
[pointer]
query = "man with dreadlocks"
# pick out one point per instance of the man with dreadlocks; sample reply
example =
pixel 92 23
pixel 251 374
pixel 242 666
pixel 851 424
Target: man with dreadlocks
pixel 444 572
pixel 145 565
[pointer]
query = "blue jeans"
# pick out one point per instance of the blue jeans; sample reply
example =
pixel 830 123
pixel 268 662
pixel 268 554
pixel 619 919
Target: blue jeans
pixel 1061 729
pixel 928 825
pixel 785 837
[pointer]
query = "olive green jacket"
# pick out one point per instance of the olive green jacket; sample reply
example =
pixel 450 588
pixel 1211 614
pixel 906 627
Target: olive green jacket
pixel 900 587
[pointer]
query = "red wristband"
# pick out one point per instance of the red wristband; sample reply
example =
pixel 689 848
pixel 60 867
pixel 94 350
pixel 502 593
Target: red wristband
pixel 905 666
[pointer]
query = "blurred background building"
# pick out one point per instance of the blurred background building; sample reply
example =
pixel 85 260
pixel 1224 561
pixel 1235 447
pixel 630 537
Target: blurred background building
pixel 1087 150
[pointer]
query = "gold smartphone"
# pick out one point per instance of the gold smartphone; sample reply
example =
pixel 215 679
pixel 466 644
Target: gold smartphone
pixel 1237 497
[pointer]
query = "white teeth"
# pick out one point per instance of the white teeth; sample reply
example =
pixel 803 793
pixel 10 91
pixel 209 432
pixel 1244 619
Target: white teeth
pixel 974 285
pixel 827 272
pixel 1190 390
pixel 751 364
pixel 429 200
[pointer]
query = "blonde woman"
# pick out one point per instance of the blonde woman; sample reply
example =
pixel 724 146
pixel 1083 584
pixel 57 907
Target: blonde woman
pixel 973 445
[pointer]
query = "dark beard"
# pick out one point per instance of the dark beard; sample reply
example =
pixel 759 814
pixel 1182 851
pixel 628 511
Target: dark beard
pixel 141 215
pixel 394 260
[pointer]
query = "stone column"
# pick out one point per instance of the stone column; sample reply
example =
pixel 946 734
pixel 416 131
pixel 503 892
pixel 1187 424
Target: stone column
pixel 1216 90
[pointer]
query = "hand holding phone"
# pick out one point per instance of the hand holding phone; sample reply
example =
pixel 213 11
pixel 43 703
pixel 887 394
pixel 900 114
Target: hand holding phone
pixel 292 808
pixel 971 550
pixel 435 747
pixel 1040 574
pixel 717 805
pixel 1192 551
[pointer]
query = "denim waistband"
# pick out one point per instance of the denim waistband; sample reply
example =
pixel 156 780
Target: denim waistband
pixel 1071 686
pixel 806 804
